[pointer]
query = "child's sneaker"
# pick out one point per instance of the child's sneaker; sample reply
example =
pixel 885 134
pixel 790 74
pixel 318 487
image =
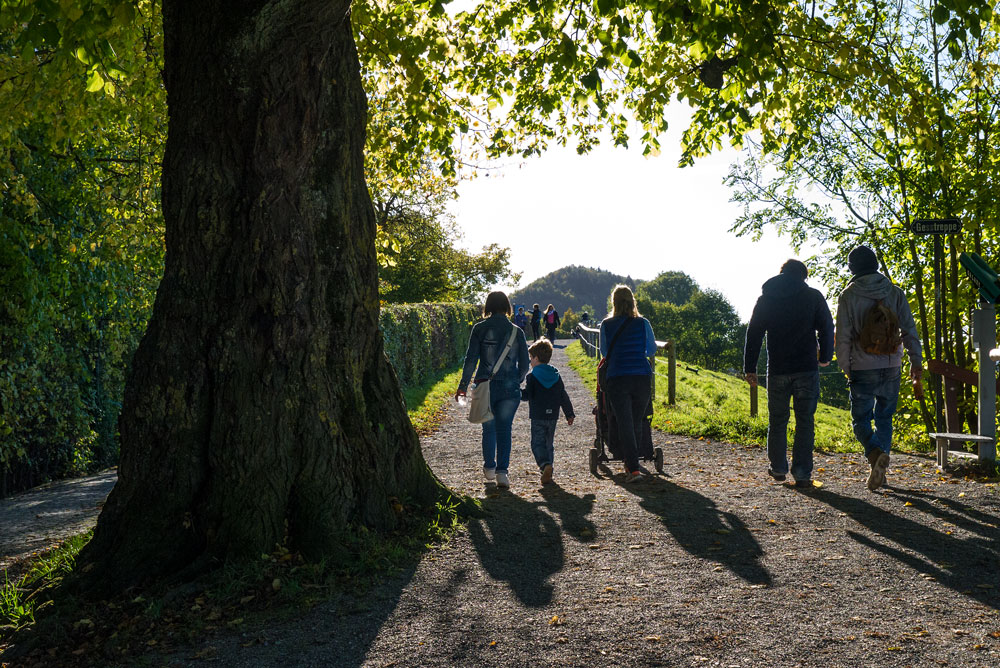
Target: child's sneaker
pixel 489 473
pixel 547 474
pixel 633 476
pixel 503 481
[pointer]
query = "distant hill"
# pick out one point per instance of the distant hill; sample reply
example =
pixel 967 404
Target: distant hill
pixel 572 287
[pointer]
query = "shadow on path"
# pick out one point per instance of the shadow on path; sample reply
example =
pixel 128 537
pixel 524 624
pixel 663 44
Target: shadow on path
pixel 520 544
pixel 572 511
pixel 701 528
pixel 967 565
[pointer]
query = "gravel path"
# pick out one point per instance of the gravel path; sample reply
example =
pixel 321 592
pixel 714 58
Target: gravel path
pixel 711 564
pixel 47 515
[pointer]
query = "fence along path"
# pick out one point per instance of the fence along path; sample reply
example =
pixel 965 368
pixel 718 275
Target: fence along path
pixel 711 564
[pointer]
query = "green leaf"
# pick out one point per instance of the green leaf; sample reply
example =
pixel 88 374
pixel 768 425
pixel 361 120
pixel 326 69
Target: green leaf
pixel 95 82
pixel 941 14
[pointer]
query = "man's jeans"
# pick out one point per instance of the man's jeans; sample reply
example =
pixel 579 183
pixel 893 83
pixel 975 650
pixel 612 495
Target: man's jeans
pixel 496 434
pixel 874 395
pixel 803 390
pixel 543 433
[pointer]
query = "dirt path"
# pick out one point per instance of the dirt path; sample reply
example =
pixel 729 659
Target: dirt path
pixel 708 565
pixel 711 564
pixel 47 515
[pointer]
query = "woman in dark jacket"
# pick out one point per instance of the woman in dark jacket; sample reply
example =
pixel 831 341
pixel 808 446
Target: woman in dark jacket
pixel 488 340
pixel 536 322
pixel 629 375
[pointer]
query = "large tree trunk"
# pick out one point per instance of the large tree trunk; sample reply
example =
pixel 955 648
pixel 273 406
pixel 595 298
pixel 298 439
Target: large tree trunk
pixel 260 402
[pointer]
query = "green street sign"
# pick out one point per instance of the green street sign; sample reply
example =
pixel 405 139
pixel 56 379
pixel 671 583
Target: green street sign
pixel 936 226
pixel 982 276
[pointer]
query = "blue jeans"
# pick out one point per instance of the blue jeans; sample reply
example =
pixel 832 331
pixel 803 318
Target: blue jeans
pixel 874 395
pixel 543 434
pixel 496 433
pixel 803 390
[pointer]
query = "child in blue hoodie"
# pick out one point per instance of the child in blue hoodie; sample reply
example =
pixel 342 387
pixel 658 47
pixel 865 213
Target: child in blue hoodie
pixel 545 393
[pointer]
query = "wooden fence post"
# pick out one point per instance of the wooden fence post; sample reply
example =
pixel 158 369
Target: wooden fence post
pixel 753 401
pixel 671 374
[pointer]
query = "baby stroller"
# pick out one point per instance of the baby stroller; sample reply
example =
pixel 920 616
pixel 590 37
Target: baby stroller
pixel 607 435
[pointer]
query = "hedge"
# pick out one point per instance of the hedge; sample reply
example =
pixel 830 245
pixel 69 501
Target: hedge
pixel 423 339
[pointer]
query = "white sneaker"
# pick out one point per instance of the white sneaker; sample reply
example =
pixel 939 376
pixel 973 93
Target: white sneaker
pixel 503 481
pixel 490 474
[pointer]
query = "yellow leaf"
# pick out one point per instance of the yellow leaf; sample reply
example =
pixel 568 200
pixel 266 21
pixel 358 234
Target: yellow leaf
pixel 907 504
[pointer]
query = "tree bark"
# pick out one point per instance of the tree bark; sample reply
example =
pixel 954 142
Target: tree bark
pixel 260 403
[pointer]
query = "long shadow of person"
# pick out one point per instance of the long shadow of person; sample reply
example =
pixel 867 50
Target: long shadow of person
pixel 951 510
pixel 519 543
pixel 962 564
pixel 572 511
pixel 702 528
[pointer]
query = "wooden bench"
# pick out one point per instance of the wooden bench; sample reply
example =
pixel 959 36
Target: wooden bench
pixel 943 440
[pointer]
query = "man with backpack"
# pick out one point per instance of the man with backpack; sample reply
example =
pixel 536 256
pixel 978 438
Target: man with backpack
pixel 799 331
pixel 874 324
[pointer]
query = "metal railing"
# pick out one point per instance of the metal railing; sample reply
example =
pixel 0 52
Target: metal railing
pixel 590 337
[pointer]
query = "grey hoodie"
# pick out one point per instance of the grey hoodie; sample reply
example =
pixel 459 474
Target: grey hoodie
pixel 855 301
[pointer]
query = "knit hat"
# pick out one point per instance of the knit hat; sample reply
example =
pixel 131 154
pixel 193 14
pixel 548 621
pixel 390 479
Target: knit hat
pixel 862 261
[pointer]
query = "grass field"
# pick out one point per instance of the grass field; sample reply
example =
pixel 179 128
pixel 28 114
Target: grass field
pixel 716 406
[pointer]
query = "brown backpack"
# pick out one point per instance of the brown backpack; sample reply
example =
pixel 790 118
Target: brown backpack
pixel 880 330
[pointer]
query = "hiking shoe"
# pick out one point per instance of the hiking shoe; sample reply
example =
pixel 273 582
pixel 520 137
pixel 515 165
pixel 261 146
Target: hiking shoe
pixel 633 476
pixel 780 477
pixel 547 474
pixel 877 477
pixel 803 484
pixel 489 474
pixel 503 481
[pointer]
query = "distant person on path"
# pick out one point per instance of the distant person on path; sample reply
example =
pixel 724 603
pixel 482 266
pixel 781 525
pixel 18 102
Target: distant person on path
pixel 629 375
pixel 799 331
pixel 545 393
pixel 874 323
pixel 488 339
pixel 536 322
pixel 551 319
pixel 521 321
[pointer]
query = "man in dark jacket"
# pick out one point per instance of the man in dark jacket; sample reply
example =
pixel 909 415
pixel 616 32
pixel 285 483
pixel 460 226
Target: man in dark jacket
pixel 799 331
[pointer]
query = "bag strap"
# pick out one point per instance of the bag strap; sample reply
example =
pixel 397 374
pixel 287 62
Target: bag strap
pixel 506 351
pixel 619 333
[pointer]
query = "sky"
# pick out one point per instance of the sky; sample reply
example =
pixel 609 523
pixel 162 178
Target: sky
pixel 617 210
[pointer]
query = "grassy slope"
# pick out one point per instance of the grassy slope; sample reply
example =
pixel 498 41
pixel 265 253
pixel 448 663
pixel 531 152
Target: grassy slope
pixel 716 406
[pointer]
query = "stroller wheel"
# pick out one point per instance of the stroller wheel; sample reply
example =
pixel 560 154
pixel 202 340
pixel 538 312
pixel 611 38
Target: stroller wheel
pixel 595 458
pixel 658 459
